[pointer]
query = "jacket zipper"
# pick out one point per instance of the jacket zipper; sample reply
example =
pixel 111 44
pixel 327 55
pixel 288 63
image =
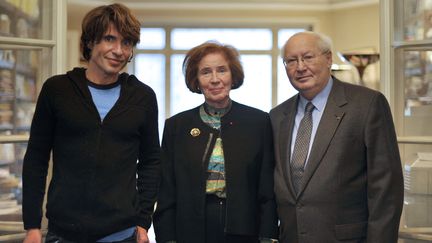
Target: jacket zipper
pixel 205 165
pixel 206 151
pixel 226 180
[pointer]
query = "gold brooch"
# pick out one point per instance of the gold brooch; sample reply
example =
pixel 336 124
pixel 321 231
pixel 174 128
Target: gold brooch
pixel 195 132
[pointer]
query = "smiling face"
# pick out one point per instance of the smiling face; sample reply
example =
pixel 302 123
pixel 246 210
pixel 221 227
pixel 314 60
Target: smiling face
pixel 310 71
pixel 215 79
pixel 108 57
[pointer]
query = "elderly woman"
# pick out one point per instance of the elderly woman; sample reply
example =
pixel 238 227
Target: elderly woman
pixel 217 162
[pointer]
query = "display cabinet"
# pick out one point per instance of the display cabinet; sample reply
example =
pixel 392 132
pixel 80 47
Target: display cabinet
pixel 406 56
pixel 32 36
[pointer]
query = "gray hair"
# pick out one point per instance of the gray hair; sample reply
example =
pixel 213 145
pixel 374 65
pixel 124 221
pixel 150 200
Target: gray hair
pixel 324 42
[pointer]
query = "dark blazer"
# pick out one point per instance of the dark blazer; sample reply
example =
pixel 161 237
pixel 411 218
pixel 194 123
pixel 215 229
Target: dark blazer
pixel 249 165
pixel 352 189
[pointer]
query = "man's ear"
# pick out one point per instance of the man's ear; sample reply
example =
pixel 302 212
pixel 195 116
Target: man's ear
pixel 130 57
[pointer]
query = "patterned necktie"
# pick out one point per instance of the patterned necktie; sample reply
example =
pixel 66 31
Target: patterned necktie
pixel 301 146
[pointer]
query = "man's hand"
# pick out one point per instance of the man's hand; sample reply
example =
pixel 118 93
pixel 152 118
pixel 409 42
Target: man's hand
pixel 141 235
pixel 33 236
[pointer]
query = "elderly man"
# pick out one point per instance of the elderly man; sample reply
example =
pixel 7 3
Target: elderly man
pixel 338 175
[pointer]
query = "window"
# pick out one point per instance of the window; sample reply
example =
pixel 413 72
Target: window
pixel 159 58
pixel 242 39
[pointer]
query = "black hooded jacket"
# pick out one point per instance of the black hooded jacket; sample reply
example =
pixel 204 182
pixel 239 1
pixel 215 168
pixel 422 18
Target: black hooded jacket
pixel 105 173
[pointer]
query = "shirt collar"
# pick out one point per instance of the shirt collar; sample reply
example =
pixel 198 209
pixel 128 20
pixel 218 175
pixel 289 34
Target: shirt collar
pixel 320 100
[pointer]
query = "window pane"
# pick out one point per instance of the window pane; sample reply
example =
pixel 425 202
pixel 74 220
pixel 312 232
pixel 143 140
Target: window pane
pixel 150 69
pixel 417 20
pixel 181 97
pixel 285 34
pixel 256 89
pixel 152 38
pixel 417 92
pixel 284 88
pixel 26 19
pixel 11 158
pixel 19 82
pixel 243 39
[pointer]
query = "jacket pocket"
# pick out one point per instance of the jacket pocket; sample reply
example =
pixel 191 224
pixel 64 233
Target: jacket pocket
pixel 351 231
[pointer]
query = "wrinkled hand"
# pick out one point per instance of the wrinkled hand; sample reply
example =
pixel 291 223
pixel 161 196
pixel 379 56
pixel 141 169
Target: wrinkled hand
pixel 141 235
pixel 33 236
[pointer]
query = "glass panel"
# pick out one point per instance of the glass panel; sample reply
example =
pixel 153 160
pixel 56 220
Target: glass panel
pixel 417 19
pixel 418 93
pixel 242 39
pixel 152 38
pixel 284 88
pixel 19 78
pixel 150 69
pixel 26 19
pixel 285 34
pixel 418 186
pixel 11 156
pixel 256 89
pixel 181 97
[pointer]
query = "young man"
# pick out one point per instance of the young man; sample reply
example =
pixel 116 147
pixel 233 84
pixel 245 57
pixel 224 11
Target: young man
pixel 338 175
pixel 101 127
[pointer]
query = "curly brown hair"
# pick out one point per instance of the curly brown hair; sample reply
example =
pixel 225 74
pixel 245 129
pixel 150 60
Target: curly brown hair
pixel 97 21
pixel 196 54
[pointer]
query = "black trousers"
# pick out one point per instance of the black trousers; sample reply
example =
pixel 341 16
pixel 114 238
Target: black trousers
pixel 215 223
pixel 53 237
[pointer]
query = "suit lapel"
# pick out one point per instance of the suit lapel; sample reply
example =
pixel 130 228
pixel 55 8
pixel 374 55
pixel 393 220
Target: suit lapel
pixel 285 135
pixel 330 120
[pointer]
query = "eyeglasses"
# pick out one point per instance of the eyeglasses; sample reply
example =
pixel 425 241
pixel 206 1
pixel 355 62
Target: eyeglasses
pixel 307 59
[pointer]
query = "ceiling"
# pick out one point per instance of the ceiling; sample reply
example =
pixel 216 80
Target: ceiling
pixel 77 8
pixel 96 2
pixel 185 4
pixel 241 1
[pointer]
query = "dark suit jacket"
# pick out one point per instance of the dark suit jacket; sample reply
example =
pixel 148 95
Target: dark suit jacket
pixel 249 165
pixel 352 188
